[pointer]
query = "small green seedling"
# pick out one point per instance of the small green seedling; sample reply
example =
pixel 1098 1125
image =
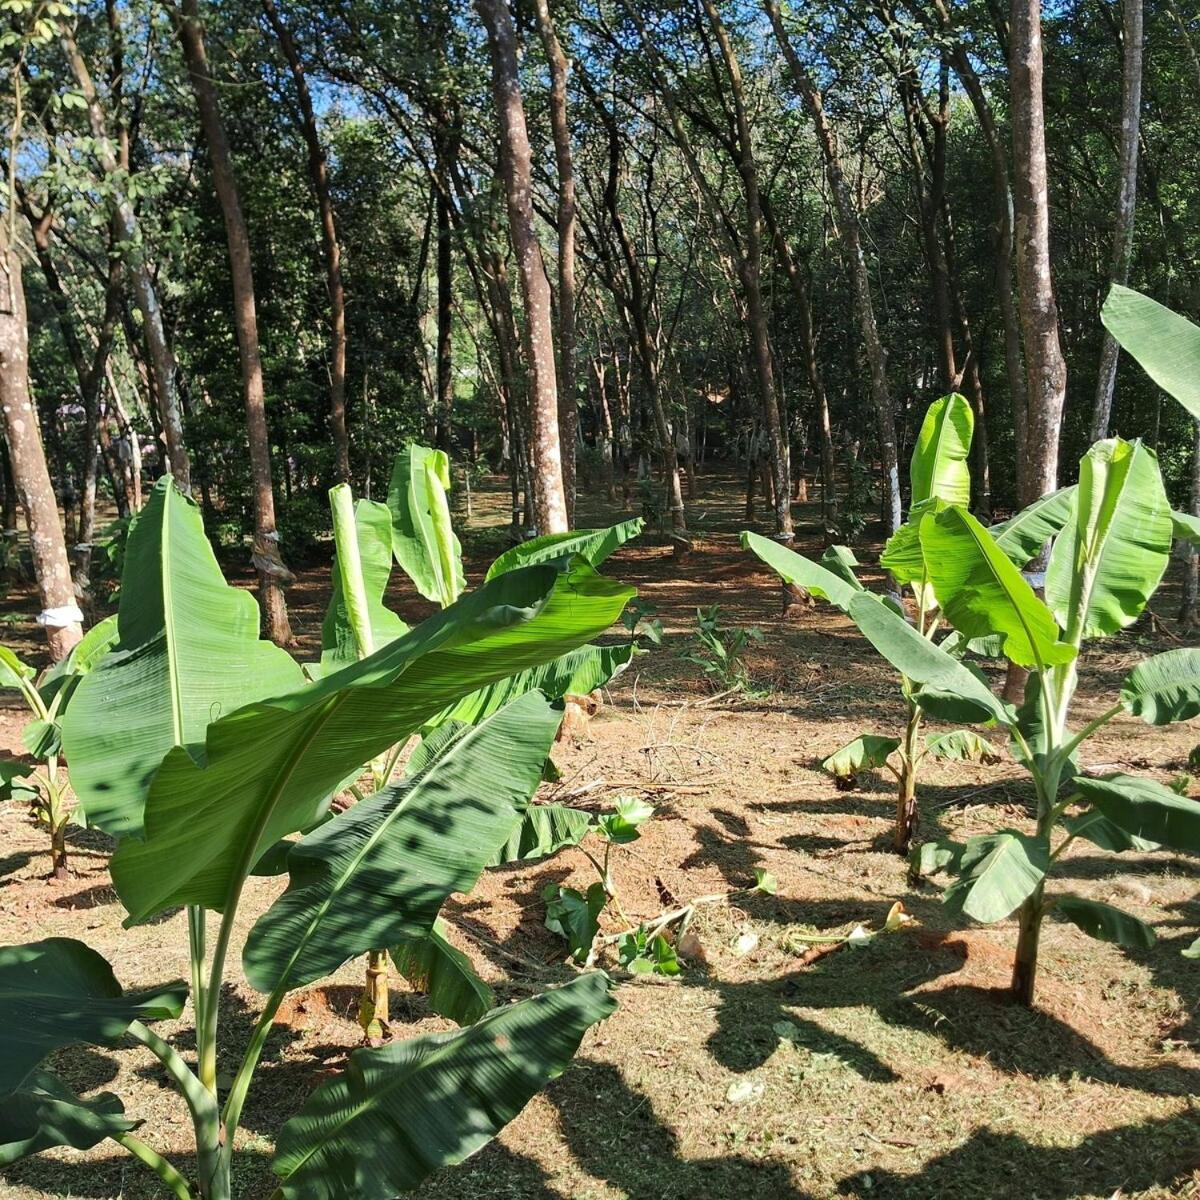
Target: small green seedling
pixel 720 650
pixel 639 619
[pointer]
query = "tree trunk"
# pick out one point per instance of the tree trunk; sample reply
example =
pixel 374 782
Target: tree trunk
pixel 516 168
pixel 1045 367
pixel 568 416
pixel 1122 247
pixel 1189 617
pixel 318 172
pixel 273 576
pixel 851 234
pixel 60 615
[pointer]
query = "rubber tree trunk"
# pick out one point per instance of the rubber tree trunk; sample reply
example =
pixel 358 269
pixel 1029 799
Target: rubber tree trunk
pixel 1122 247
pixel 273 575
pixel 516 169
pixel 851 234
pixel 318 173
pixel 60 615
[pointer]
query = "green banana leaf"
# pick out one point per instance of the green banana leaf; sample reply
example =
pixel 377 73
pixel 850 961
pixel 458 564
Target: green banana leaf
pixel 83 658
pixel 1145 809
pixel 269 767
pixel 1023 536
pixel 999 873
pixel 981 592
pixel 1186 526
pixel 13 670
pixel 59 992
pixel 545 829
pixel 187 653
pixel 373 534
pixel 381 870
pixel 423 538
pixel 43 1113
pixel 864 753
pixel 402 1111
pixel 1113 552
pixel 1165 687
pixel 1106 923
pixel 595 545
pixel 1165 344
pixel 920 661
pixel 961 745
pixel 940 460
pixel 445 975
pixel 1096 828
pixel 795 568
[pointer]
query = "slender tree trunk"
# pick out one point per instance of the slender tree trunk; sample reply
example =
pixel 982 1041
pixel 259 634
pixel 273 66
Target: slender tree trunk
pixel 318 172
pixel 516 167
pixel 1122 247
pixel 568 416
pixel 1045 367
pixel 1189 616
pixel 60 615
pixel 273 576
pixel 851 234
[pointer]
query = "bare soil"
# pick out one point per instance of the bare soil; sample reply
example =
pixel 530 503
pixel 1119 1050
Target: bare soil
pixel 897 1070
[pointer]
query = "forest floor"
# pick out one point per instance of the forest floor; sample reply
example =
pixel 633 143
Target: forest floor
pixel 897 1070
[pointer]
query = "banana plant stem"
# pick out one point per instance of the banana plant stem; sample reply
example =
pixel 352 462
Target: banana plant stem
pixel 159 1165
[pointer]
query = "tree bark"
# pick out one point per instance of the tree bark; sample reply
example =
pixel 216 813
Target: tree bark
pixel 851 234
pixel 162 358
pixel 568 415
pixel 318 172
pixel 1122 247
pixel 516 168
pixel 31 476
pixel 272 574
pixel 1045 367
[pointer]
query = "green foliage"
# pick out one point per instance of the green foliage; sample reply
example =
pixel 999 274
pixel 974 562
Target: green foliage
pixel 720 650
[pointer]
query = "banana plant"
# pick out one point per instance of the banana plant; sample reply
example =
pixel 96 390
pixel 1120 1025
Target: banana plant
pixel 939 475
pixel 45 786
pixel 1105 563
pixel 208 753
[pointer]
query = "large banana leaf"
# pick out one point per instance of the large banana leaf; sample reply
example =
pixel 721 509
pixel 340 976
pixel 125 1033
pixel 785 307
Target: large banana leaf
pixel 939 466
pixel 1165 344
pixel 381 870
pixel 999 872
pixel 373 535
pixel 902 555
pixel 1165 687
pixel 1113 551
pixel 269 767
pixel 981 592
pixel 187 653
pixel 1106 923
pixel 1023 536
pixel 594 544
pixel 43 1113
pixel 59 992
pixel 919 660
pixel 445 975
pixel 422 536
pixel 1145 809
pixel 795 568
pixel 402 1111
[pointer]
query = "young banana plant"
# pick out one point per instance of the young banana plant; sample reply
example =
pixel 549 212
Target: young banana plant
pixel 939 475
pixel 205 751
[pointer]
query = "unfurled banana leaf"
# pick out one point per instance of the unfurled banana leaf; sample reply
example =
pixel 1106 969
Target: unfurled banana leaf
pixel 1145 809
pixel 594 545
pixel 186 654
pixel 13 670
pixel 1113 552
pixel 59 992
pixel 43 1113
pixel 84 657
pixel 1096 828
pixel 372 533
pixel 866 752
pixel 445 975
pixel 1022 537
pixel 1164 688
pixel 545 829
pixel 1186 526
pixel 1165 344
pixel 402 1111
pixel 999 872
pixel 981 592
pixel 1105 923
pixel 423 538
pixel 961 745
pixel 269 767
pixel 795 568
pixel 940 460
pixel 380 871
